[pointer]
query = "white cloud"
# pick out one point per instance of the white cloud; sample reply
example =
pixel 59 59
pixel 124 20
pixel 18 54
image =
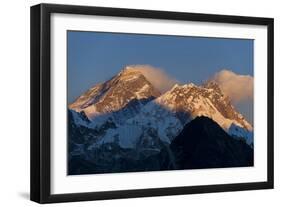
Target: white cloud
pixel 157 77
pixel 239 88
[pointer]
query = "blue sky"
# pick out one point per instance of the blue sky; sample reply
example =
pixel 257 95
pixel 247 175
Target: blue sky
pixel 95 57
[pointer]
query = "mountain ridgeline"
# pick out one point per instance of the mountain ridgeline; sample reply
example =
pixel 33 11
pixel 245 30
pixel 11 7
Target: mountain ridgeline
pixel 125 125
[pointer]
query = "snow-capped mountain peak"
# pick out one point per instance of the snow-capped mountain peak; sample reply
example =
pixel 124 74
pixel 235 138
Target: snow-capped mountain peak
pixel 190 101
pixel 127 87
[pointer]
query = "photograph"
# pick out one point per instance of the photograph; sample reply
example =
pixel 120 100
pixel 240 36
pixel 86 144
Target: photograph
pixel 132 103
pixel 151 102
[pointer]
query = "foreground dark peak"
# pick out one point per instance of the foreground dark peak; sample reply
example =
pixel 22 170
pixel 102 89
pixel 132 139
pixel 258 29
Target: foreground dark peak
pixel 203 125
pixel 204 144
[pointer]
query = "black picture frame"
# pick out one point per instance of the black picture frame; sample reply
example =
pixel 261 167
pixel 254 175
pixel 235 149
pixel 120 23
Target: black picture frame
pixel 41 96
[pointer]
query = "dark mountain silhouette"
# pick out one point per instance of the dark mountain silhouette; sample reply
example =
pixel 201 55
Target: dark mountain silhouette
pixel 204 144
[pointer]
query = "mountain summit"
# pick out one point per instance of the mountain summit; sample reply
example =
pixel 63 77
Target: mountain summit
pixel 128 89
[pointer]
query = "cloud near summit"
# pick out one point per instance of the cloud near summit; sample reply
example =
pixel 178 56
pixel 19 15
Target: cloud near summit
pixel 157 77
pixel 239 88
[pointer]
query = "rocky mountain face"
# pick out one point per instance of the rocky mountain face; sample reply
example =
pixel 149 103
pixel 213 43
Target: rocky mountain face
pixel 125 124
pixel 206 100
pixel 124 94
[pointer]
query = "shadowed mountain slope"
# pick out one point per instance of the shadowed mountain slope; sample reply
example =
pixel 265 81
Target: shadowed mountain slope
pixel 204 144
